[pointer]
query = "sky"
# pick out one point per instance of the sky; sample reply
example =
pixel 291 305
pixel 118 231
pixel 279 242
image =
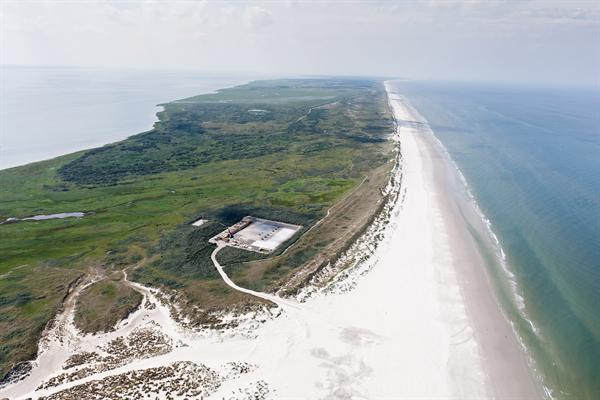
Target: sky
pixel 512 41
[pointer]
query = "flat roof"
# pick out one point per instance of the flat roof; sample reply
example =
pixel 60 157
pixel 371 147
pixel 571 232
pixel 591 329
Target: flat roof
pixel 257 234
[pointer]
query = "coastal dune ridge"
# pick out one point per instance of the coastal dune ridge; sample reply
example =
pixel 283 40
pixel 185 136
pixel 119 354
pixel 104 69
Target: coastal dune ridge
pixel 421 321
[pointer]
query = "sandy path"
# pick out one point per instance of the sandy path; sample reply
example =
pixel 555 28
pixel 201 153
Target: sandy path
pixel 283 303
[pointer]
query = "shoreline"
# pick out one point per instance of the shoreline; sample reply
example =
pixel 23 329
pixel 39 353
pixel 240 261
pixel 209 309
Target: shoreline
pixel 508 367
pixel 21 155
pixel 416 319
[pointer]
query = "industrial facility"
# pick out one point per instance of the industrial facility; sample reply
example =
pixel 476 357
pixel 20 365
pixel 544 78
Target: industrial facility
pixel 256 234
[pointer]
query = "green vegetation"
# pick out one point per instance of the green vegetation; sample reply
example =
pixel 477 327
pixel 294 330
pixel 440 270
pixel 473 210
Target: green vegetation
pixel 103 304
pixel 310 143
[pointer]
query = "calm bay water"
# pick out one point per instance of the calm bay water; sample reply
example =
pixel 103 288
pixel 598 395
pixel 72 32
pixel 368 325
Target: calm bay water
pixel 46 112
pixel 532 159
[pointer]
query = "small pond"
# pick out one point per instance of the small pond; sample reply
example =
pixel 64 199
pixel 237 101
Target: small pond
pixel 43 217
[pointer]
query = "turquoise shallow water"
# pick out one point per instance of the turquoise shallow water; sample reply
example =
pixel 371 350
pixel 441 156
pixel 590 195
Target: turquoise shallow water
pixel 532 159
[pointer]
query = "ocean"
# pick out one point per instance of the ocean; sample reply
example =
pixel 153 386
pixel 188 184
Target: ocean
pixel 531 158
pixel 49 111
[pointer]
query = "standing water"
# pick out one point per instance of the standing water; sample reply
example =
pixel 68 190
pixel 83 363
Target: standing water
pixel 47 112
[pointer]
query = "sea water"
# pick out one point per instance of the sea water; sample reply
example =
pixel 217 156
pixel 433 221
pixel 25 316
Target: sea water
pixel 531 157
pixel 50 111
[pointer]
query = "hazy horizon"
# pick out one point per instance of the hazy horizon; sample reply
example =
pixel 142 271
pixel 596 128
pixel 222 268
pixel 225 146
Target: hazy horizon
pixel 494 41
pixel 260 75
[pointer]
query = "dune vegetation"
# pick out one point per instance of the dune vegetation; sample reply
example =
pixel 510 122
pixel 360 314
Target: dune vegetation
pixel 288 150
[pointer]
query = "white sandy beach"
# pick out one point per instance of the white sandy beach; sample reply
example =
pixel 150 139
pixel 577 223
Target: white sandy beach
pixel 421 323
